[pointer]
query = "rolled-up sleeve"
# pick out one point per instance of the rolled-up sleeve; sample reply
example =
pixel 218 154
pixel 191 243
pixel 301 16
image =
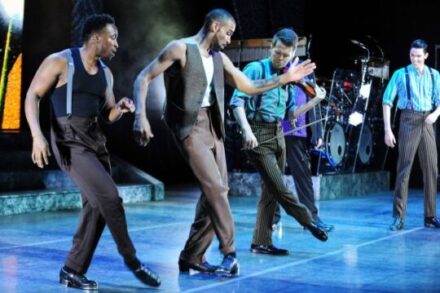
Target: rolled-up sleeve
pixel 436 89
pixel 391 90
pixel 254 71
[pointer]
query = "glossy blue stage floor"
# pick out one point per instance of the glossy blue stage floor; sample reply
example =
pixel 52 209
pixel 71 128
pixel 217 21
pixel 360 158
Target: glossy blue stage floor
pixel 360 256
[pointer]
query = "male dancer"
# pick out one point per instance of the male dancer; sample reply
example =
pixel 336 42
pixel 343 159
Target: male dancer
pixel 79 145
pixel 195 71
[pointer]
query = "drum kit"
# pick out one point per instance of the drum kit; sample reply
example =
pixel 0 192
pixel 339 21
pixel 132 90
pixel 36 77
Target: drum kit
pixel 351 115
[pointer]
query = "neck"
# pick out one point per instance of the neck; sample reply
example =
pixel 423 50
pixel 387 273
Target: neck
pixel 204 40
pixel 419 68
pixel 88 55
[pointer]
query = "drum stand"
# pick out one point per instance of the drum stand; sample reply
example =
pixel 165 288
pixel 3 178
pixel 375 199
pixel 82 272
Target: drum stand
pixel 364 83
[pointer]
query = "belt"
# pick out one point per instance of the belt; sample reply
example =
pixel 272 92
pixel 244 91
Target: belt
pixel 416 112
pixel 265 124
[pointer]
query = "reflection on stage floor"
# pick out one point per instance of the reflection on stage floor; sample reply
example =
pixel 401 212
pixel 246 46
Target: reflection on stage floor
pixel 361 255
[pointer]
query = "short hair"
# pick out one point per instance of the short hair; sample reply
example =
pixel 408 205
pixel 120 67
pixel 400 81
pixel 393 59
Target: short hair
pixel 95 23
pixel 219 15
pixel 287 36
pixel 420 44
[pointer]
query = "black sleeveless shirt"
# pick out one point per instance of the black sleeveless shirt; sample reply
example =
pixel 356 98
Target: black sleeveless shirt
pixel 88 91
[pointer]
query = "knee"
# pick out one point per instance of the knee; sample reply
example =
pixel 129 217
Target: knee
pixel 217 188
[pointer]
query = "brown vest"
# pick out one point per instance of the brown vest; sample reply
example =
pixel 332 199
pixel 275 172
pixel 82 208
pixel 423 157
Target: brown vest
pixel 185 89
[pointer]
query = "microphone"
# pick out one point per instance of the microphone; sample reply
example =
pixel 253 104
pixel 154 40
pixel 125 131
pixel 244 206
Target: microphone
pixel 308 46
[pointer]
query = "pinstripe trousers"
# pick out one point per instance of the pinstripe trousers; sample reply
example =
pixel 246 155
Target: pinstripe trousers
pixel 416 135
pixel 269 159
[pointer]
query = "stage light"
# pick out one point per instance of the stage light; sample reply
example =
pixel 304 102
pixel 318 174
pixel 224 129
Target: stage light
pixel 355 118
pixel 12 8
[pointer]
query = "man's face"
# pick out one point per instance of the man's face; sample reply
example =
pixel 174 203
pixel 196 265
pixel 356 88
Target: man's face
pixel 108 41
pixel 417 57
pixel 223 35
pixel 281 54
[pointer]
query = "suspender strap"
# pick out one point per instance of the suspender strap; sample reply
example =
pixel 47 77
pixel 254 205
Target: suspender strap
pixel 432 83
pixel 108 79
pixel 70 72
pixel 408 91
pixel 259 97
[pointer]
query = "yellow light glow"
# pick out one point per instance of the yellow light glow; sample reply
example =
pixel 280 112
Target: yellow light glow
pixel 12 106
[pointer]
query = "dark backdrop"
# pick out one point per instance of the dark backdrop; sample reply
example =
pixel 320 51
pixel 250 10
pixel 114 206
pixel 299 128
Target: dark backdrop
pixel 146 26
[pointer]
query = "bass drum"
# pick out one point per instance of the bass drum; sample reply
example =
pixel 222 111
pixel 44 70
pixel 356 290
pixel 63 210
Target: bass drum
pixel 335 143
pixel 366 145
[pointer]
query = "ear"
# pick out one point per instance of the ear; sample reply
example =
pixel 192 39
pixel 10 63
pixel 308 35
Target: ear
pixel 426 55
pixel 95 37
pixel 215 26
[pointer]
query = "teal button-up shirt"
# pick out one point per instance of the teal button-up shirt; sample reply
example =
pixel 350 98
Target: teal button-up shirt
pixel 270 106
pixel 424 93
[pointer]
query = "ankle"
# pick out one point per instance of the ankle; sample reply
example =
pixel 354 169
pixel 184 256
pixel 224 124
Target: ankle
pixel 133 264
pixel 69 270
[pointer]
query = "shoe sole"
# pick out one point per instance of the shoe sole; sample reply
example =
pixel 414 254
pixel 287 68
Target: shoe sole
pixel 189 269
pixel 268 253
pixel 68 284
pixel 233 273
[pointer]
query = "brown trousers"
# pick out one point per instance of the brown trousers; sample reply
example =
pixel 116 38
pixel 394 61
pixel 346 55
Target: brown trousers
pixel 79 148
pixel 415 136
pixel 205 153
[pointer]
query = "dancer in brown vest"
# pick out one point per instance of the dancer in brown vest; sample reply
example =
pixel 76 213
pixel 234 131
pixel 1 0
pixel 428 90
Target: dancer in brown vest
pixel 79 145
pixel 195 71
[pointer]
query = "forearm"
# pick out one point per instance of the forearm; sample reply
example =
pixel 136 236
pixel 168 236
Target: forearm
pixel 140 95
pixel 240 116
pixel 437 111
pixel 31 108
pixel 386 117
pixel 262 85
pixel 115 113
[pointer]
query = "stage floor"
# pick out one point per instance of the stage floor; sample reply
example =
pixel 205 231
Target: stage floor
pixel 361 255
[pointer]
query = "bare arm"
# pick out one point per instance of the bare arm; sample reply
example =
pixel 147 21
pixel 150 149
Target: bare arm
pixel 249 139
pixel 390 140
pixel 116 110
pixel 173 52
pixel 51 72
pixel 239 80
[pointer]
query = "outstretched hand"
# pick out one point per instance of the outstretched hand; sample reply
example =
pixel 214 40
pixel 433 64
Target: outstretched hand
pixel 142 131
pixel 297 71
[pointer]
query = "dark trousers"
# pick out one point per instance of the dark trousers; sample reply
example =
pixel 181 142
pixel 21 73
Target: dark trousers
pixel 415 136
pixel 298 160
pixel 79 148
pixel 205 153
pixel 269 160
